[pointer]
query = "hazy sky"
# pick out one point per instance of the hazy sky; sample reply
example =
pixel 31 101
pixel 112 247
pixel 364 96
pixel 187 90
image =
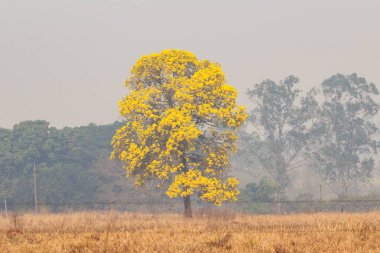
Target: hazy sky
pixel 65 61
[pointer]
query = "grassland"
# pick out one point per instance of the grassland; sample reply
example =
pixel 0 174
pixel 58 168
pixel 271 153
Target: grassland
pixel 207 232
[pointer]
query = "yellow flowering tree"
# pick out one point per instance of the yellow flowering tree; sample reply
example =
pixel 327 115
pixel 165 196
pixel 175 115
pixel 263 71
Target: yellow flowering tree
pixel 180 125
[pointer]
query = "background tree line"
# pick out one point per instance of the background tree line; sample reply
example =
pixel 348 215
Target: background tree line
pixel 72 164
pixel 329 130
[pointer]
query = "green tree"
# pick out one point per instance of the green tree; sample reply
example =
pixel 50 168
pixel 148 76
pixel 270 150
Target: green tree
pixel 28 143
pixel 280 119
pixel 36 142
pixel 345 145
pixel 68 184
pixel 264 191
pixel 260 197
pixel 5 162
pixel 5 151
pixel 87 143
pixel 72 164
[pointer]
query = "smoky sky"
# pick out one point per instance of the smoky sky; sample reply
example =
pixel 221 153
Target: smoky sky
pixel 66 61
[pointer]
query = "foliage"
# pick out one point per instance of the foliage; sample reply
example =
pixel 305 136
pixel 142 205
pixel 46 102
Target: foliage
pixel 36 142
pixel 64 159
pixel 5 161
pixel 262 191
pixel 87 143
pixel 180 126
pixel 345 143
pixel 280 121
pixel 28 143
pixel 63 182
pixel 73 165
pixel 259 197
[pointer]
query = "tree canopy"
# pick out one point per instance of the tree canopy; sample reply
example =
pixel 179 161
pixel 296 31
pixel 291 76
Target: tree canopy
pixel 346 135
pixel 180 124
pixel 66 161
pixel 281 120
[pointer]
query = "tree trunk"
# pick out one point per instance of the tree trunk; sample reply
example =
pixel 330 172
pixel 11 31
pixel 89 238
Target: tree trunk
pixel 186 200
pixel 187 205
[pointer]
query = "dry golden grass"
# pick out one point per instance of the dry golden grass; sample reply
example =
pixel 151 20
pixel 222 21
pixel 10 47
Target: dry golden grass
pixel 207 232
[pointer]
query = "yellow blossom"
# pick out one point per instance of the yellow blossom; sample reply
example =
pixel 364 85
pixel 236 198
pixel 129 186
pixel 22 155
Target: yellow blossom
pixel 180 126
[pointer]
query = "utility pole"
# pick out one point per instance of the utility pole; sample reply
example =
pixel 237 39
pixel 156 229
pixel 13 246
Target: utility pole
pixel 5 206
pixel 320 197
pixel 35 188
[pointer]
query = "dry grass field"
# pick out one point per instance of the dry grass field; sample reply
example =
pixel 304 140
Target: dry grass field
pixel 207 232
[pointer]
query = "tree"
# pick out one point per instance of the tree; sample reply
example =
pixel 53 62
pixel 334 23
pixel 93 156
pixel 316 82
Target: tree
pixel 262 191
pixel 343 151
pixel 67 183
pixel 281 120
pixel 36 142
pixel 28 143
pixel 261 196
pixel 87 143
pixel 180 126
pixel 5 151
pixel 5 162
